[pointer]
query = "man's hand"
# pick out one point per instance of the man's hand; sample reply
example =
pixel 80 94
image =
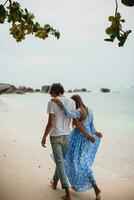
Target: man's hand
pixel 99 134
pixel 43 142
pixel 48 129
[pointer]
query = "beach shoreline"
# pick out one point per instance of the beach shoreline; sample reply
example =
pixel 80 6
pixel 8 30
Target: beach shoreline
pixel 27 168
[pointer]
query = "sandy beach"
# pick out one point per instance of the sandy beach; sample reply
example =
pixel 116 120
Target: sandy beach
pixel 26 168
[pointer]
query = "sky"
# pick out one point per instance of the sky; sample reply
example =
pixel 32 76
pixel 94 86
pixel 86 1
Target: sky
pixel 80 58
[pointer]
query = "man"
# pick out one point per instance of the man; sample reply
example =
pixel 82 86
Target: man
pixel 58 127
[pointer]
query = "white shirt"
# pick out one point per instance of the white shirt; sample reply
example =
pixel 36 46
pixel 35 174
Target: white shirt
pixel 62 122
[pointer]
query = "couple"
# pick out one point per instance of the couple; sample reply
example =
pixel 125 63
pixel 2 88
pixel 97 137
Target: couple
pixel 74 151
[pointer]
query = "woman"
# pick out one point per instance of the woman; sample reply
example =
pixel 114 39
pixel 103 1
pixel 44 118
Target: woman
pixel 81 152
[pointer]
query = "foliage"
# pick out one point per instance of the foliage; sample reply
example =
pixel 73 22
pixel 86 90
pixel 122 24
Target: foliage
pixel 128 2
pixel 22 22
pixel 115 30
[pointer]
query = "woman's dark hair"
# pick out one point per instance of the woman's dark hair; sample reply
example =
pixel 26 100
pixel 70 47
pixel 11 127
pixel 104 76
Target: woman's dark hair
pixel 56 89
pixel 78 101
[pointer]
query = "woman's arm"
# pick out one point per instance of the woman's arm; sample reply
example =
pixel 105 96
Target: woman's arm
pixel 99 134
pixel 83 131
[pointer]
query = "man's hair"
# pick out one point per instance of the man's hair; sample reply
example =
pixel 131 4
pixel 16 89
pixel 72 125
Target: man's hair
pixel 56 89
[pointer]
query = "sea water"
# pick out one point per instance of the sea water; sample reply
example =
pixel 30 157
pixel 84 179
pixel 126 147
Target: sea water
pixel 113 115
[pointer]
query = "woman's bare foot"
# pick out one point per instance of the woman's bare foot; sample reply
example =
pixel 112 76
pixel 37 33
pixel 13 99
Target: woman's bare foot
pixel 98 192
pixel 53 184
pixel 98 196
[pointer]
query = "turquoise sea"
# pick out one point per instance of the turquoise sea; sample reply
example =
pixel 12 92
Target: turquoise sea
pixel 113 115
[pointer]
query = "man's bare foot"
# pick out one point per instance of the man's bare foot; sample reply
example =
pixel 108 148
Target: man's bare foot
pixel 53 184
pixel 66 197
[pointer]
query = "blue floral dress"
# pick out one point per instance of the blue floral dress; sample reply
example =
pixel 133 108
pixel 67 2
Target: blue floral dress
pixel 80 154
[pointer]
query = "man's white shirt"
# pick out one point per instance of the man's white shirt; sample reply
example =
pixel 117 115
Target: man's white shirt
pixel 62 123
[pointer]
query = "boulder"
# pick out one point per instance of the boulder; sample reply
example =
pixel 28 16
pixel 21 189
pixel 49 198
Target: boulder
pixel 37 90
pixel 7 88
pixel 83 90
pixel 45 88
pixel 105 90
pixel 80 90
pixel 24 89
pixel 29 89
pixel 77 90
pixel 19 92
pixel 12 89
pixel 70 91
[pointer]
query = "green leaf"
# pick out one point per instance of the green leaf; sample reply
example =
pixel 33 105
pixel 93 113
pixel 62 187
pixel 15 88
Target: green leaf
pixel 122 20
pixel 111 18
pixel 128 2
pixel 57 34
pixel 109 31
pixel 3 14
pixel 22 22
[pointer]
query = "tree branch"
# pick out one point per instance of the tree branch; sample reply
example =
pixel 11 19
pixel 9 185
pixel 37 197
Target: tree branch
pixel 116 8
pixel 5 3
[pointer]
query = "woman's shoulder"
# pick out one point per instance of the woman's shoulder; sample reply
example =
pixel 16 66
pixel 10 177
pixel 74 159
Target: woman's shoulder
pixel 90 111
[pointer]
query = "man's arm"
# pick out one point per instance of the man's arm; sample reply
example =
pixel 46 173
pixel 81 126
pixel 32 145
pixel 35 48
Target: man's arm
pixel 83 131
pixel 48 128
pixel 73 114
